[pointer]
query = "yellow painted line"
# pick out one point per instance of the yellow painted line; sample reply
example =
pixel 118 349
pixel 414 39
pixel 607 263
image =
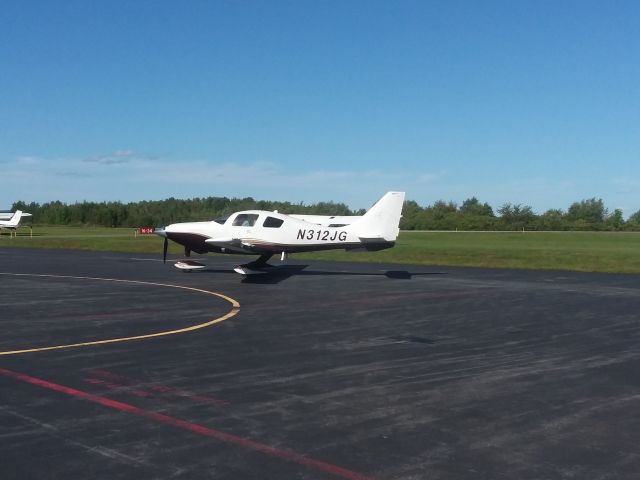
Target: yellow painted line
pixel 233 312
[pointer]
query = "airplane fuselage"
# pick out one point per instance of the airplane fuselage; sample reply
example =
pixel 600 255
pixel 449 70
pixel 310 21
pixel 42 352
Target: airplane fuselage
pixel 263 232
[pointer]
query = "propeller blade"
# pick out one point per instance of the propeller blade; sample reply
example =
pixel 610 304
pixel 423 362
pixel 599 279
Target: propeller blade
pixel 164 251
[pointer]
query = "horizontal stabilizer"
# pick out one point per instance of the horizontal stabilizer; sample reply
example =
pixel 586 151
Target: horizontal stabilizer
pixel 370 238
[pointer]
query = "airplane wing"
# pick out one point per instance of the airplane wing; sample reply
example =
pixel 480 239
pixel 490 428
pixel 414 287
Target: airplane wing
pixel 238 245
pixel 228 243
pixel 234 244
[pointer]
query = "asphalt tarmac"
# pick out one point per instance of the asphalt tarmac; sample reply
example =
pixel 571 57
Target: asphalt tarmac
pixel 323 371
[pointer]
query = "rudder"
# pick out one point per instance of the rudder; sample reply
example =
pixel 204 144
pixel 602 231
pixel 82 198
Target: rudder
pixel 382 221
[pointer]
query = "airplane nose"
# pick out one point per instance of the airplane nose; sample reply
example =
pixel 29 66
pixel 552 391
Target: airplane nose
pixel 161 232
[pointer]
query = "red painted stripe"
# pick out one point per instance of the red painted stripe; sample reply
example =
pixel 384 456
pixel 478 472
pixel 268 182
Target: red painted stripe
pixel 159 388
pixel 191 427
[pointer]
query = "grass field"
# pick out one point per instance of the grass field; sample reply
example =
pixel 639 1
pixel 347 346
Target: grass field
pixel 579 251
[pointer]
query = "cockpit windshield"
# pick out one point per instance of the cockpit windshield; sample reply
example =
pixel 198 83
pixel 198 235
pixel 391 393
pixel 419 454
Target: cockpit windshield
pixel 245 220
pixel 222 220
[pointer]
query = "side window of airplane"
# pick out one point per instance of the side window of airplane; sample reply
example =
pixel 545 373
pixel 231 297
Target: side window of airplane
pixel 271 222
pixel 245 220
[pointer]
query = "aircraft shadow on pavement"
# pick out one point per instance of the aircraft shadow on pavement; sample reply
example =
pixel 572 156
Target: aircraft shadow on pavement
pixel 392 274
pixel 278 274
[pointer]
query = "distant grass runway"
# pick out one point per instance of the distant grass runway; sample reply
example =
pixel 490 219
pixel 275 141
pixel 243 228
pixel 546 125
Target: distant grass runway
pixel 577 251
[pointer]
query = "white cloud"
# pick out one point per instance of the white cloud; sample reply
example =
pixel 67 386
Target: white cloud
pixel 27 160
pixel 126 175
pixel 140 177
pixel 115 158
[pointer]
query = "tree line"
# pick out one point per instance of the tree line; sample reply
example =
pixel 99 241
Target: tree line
pixel 590 214
pixel 585 215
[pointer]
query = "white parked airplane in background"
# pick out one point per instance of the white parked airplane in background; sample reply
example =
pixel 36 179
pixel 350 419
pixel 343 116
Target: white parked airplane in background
pixel 13 223
pixel 264 233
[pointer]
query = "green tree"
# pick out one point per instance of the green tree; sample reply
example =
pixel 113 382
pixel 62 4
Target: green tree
pixel 633 222
pixel 412 215
pixel 472 206
pixel 615 221
pixel 441 216
pixel 587 214
pixel 517 217
pixel 552 219
pixel 634 218
pixel 474 215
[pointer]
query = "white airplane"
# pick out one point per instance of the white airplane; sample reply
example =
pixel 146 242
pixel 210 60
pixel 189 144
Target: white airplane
pixel 13 223
pixel 264 233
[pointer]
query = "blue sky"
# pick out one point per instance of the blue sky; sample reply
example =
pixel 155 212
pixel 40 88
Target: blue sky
pixel 533 102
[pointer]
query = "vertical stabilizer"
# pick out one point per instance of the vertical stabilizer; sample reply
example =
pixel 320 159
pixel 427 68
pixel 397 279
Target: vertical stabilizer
pixel 15 220
pixel 382 221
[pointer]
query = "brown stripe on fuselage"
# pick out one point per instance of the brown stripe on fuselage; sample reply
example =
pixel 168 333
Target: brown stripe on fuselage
pixel 196 242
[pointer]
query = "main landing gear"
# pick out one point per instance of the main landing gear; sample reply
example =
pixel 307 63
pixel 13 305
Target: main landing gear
pixel 256 267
